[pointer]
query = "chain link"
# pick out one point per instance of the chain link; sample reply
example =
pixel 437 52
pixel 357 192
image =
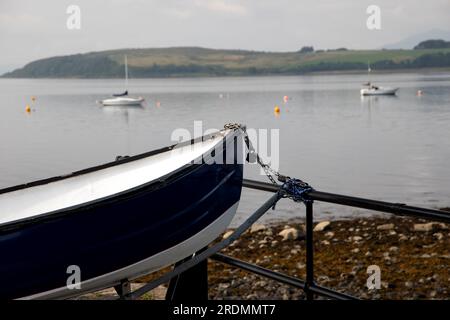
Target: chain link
pixel 271 174
pixel 291 188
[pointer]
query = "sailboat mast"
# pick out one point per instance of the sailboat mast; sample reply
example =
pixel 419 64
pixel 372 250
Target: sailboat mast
pixel 126 73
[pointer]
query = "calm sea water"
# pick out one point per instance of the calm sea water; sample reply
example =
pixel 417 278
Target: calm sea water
pixel 387 148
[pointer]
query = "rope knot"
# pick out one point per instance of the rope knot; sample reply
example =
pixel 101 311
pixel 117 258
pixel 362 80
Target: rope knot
pixel 295 189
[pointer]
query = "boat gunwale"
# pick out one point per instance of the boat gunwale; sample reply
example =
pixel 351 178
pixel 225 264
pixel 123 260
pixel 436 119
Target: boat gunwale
pixel 158 182
pixel 55 214
pixel 123 160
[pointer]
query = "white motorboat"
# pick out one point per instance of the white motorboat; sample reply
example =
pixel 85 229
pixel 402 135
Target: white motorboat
pixel 372 90
pixel 123 99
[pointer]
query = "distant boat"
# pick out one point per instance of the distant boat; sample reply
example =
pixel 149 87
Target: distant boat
pixel 122 99
pixel 372 90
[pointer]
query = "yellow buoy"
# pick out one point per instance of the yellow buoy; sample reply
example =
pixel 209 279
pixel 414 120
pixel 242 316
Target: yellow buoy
pixel 27 108
pixel 276 109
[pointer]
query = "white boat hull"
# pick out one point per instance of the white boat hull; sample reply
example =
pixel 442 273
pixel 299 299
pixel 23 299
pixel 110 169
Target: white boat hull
pixel 378 92
pixel 123 101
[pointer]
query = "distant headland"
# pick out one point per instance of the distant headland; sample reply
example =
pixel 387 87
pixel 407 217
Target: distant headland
pixel 197 62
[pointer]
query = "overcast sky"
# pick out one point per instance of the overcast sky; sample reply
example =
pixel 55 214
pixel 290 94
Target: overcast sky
pixel 31 29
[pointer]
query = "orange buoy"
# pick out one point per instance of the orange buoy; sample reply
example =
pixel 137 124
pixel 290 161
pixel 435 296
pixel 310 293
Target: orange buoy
pixel 27 109
pixel 285 99
pixel 276 109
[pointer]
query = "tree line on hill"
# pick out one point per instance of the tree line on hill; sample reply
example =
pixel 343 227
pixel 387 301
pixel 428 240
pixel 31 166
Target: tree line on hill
pixel 433 44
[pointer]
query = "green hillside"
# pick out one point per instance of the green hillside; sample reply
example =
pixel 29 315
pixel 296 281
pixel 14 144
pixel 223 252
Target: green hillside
pixel 193 61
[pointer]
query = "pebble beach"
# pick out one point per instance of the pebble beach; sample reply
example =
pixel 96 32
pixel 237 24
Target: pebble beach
pixel 413 256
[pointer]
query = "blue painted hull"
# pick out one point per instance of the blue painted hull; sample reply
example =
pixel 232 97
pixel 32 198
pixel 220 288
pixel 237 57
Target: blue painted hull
pixel 114 233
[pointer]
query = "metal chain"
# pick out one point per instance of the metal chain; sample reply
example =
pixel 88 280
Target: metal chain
pixel 292 188
pixel 270 173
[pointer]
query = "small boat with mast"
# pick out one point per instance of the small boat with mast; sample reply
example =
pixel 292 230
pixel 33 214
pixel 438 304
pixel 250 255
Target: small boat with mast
pixel 123 99
pixel 373 90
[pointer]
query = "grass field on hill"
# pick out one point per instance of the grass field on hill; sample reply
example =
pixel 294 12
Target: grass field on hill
pixel 194 61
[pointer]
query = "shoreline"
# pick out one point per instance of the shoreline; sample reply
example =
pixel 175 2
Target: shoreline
pixel 202 76
pixel 413 255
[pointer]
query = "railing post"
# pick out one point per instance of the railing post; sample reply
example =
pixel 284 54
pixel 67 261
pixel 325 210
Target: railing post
pixel 309 251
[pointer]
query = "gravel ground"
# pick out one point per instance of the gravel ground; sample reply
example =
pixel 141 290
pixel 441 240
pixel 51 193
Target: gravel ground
pixel 413 256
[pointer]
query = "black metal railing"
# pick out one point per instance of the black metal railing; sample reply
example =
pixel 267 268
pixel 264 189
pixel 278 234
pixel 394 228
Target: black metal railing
pixel 194 269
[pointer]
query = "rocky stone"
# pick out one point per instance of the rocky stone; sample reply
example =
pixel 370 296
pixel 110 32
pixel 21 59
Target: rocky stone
pixel 329 234
pixel 323 279
pixel 260 283
pixel 403 262
pixel 442 226
pixel 321 226
pixel 356 269
pixel 386 227
pixel 289 234
pixel 357 238
pixel 257 228
pixel 227 234
pixel 424 227
pixel 438 235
